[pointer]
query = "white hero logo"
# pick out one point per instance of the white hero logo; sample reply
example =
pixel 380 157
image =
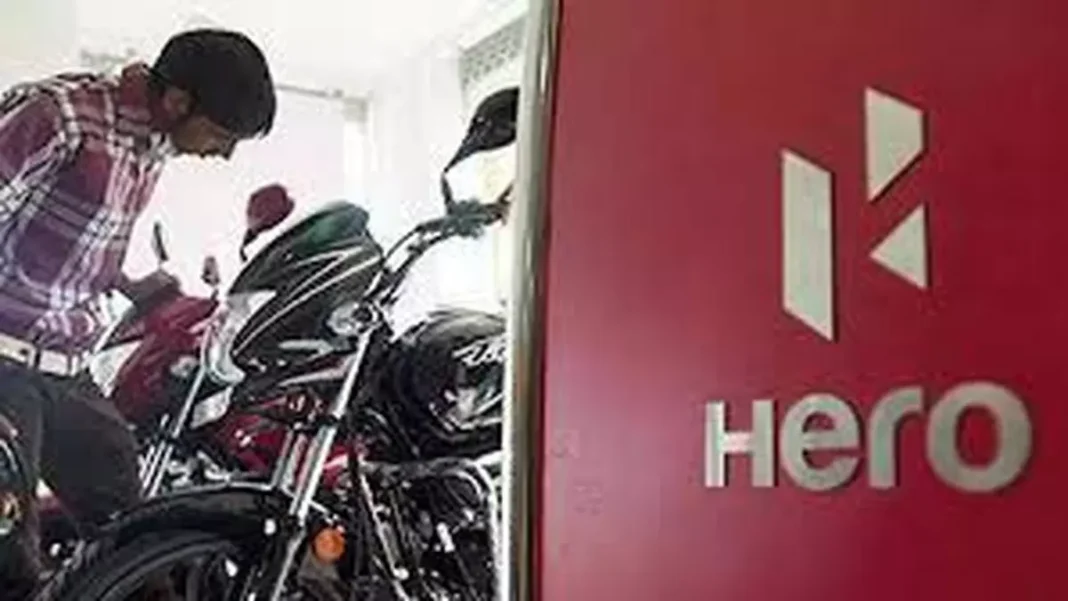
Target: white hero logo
pixel 797 438
pixel 894 140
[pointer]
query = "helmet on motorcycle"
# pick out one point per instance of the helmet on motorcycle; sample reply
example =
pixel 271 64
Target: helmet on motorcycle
pixel 446 377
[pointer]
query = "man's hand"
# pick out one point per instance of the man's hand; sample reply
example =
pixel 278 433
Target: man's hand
pixel 142 290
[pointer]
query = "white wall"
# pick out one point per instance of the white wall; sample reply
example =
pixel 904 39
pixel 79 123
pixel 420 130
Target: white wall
pixel 37 37
pixel 419 113
pixel 201 203
pixel 416 121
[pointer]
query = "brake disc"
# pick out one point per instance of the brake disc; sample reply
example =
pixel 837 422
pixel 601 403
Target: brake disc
pixel 10 512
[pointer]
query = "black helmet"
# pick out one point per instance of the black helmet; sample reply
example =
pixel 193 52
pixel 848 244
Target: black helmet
pixel 446 378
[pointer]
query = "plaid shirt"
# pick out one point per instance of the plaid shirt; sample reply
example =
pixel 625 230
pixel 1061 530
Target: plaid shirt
pixel 78 162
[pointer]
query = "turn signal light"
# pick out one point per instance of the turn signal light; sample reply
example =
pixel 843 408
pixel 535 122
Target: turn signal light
pixel 329 545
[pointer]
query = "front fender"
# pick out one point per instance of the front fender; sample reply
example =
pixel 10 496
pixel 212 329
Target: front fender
pixel 238 509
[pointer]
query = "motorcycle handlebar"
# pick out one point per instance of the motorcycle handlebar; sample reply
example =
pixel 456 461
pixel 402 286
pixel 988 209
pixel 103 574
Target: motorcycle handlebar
pixel 466 218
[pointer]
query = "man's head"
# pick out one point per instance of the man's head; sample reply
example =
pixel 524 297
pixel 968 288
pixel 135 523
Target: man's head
pixel 213 89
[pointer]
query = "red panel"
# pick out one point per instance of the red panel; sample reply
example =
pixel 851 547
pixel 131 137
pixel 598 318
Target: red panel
pixel 665 287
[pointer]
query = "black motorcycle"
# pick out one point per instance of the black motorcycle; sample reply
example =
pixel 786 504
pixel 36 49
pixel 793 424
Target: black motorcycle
pixel 414 514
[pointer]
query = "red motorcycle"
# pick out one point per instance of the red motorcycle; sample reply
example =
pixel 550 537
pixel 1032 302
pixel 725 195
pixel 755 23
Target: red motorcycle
pixel 149 363
pixel 182 419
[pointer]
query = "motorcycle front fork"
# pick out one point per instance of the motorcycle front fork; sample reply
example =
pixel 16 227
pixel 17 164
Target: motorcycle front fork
pixel 312 461
pixel 159 454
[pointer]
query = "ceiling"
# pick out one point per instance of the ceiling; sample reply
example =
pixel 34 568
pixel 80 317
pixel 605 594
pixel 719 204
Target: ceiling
pixel 342 44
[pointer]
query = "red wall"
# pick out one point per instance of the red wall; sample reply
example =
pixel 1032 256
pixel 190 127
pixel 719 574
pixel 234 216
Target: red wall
pixel 665 287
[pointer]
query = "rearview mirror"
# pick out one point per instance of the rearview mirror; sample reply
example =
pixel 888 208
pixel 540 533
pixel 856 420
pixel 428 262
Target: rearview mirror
pixel 267 207
pixel 492 126
pixel 209 272
pixel 159 244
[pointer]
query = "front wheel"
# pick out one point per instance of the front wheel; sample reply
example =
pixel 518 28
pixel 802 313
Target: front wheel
pixel 166 566
pixel 175 566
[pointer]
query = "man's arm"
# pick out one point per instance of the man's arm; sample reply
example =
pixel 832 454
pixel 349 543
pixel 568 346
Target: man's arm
pixel 33 145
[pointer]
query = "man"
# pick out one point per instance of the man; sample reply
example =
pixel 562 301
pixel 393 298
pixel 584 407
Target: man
pixel 79 158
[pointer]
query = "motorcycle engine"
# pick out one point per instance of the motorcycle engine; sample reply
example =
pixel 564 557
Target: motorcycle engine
pixel 456 518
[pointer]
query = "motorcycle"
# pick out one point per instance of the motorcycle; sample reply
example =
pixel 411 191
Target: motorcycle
pixel 138 363
pixel 414 513
pixel 153 349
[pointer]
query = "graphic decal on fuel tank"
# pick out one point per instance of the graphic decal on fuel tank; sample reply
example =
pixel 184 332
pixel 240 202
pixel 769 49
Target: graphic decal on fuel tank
pixel 894 140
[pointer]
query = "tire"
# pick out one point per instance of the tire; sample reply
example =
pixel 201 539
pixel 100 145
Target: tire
pixel 17 568
pixel 103 574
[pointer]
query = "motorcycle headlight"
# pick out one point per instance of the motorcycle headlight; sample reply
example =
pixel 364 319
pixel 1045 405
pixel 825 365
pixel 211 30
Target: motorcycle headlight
pixel 233 316
pixel 211 409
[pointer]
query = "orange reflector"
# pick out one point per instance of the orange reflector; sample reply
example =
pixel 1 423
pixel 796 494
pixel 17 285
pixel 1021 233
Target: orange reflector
pixel 329 545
